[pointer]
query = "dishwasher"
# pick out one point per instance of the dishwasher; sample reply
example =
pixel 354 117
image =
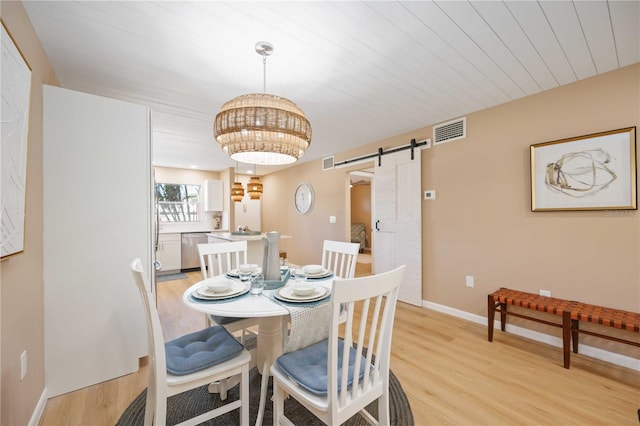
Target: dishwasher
pixel 190 241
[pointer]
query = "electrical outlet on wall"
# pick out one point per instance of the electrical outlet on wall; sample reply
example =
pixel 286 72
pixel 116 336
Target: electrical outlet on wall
pixel 470 281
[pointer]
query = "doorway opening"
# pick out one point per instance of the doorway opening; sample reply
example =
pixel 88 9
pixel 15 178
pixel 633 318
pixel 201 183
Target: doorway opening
pixel 360 188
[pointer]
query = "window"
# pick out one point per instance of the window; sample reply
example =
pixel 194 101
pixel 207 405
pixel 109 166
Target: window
pixel 178 202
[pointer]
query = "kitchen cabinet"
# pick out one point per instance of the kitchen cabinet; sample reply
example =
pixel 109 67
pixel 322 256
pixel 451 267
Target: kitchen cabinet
pixel 212 196
pixel 97 217
pixel 169 253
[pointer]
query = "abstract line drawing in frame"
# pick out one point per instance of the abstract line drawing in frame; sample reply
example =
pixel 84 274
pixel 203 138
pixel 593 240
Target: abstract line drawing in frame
pixel 16 91
pixel 591 172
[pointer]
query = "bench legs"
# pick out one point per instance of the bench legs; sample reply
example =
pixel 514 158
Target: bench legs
pixel 566 338
pixel 569 327
pixel 491 316
pixel 574 334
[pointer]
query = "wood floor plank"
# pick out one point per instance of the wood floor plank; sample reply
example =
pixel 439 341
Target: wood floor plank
pixel 449 371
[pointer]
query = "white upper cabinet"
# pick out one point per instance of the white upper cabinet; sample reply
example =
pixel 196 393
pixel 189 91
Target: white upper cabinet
pixel 212 196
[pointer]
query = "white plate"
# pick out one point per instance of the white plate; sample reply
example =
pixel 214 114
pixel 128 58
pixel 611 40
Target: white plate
pixel 286 294
pixel 220 281
pixel 300 273
pixel 235 273
pixel 236 289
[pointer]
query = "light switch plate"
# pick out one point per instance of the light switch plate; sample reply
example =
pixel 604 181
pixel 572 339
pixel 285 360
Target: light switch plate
pixel 332 219
pixel 430 195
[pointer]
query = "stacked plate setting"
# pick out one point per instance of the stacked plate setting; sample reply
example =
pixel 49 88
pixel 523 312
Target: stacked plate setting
pixel 220 288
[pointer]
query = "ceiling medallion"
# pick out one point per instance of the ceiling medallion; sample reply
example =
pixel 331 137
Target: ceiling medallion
pixel 260 128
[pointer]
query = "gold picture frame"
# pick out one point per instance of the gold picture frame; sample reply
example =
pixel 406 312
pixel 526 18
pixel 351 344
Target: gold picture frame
pixel 591 172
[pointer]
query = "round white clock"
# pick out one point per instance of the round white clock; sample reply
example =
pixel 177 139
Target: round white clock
pixel 304 198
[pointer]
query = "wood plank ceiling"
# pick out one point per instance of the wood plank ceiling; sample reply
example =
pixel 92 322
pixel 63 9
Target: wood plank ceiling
pixel 362 71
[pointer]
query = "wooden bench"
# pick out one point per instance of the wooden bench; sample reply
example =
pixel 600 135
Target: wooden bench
pixel 570 312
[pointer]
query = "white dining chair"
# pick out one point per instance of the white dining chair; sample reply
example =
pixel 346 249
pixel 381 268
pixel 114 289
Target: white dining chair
pixel 188 362
pixel 218 259
pixel 322 377
pixel 340 257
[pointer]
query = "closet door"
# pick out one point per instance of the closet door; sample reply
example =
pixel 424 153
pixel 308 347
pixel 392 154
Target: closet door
pixel 97 219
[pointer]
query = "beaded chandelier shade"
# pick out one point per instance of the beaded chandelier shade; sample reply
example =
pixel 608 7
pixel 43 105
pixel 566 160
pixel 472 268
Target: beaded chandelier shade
pixel 254 188
pixel 260 128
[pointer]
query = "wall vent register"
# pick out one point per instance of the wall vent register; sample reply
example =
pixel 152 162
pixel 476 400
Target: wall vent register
pixel 450 131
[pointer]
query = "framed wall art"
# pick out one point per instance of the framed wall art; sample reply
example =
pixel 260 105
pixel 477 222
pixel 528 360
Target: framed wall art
pixel 16 91
pixel 592 172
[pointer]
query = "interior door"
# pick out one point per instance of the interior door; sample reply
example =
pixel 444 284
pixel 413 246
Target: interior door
pixel 397 221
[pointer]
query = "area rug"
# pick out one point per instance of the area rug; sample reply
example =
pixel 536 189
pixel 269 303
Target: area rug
pixel 171 277
pixel 192 403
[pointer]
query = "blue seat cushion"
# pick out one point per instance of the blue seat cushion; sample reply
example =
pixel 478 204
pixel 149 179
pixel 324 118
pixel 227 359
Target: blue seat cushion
pixel 308 366
pixel 197 351
pixel 224 320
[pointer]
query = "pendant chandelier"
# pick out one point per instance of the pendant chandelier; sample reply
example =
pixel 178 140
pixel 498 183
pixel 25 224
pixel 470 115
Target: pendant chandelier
pixel 237 191
pixel 260 128
pixel 254 187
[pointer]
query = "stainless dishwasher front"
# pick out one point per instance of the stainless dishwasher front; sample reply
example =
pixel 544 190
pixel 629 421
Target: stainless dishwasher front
pixel 190 241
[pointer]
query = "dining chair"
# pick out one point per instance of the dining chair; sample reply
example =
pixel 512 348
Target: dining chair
pixel 337 377
pixel 188 362
pixel 340 257
pixel 218 259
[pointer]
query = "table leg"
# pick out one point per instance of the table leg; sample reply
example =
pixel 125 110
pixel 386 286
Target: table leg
pixel 269 341
pixel 269 348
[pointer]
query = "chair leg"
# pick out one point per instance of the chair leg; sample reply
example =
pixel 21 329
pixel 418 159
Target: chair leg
pixel 383 408
pixel 278 404
pixel 150 403
pixel 263 393
pixel 160 417
pixel 244 396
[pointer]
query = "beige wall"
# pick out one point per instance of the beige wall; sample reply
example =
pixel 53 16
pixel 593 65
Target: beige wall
pixel 21 287
pixel 481 223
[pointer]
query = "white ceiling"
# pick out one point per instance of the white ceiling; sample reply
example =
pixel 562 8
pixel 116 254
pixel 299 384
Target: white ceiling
pixel 362 71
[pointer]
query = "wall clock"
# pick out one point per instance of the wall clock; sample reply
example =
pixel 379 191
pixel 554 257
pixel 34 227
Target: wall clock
pixel 304 198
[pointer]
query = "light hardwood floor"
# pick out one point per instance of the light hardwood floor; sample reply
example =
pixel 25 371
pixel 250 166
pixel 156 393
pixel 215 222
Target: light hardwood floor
pixel 450 373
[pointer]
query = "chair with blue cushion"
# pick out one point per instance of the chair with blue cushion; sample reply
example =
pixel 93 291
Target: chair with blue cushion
pixel 336 378
pixel 188 362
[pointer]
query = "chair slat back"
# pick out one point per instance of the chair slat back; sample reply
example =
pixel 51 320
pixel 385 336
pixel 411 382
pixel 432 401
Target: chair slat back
pixel 157 358
pixel 221 257
pixel 373 298
pixel 340 257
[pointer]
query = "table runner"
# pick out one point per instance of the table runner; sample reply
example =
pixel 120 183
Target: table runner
pixel 310 322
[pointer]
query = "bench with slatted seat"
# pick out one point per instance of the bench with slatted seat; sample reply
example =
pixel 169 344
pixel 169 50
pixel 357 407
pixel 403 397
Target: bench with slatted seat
pixel 622 320
pixel 571 313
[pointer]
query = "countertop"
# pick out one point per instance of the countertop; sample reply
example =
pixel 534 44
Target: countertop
pixel 230 237
pixel 182 231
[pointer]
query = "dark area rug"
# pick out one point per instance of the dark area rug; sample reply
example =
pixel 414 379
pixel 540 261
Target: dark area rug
pixel 171 277
pixel 192 403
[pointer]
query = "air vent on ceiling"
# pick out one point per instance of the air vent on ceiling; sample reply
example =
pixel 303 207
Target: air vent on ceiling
pixel 327 163
pixel 450 131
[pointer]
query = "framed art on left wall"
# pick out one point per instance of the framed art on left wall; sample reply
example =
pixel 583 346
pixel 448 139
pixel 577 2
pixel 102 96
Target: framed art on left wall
pixel 16 91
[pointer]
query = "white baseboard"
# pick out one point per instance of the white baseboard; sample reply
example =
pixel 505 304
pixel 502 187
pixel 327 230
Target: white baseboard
pixel 37 413
pixel 601 354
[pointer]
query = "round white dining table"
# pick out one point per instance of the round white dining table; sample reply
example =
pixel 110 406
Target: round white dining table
pixel 269 312
pixel 270 326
